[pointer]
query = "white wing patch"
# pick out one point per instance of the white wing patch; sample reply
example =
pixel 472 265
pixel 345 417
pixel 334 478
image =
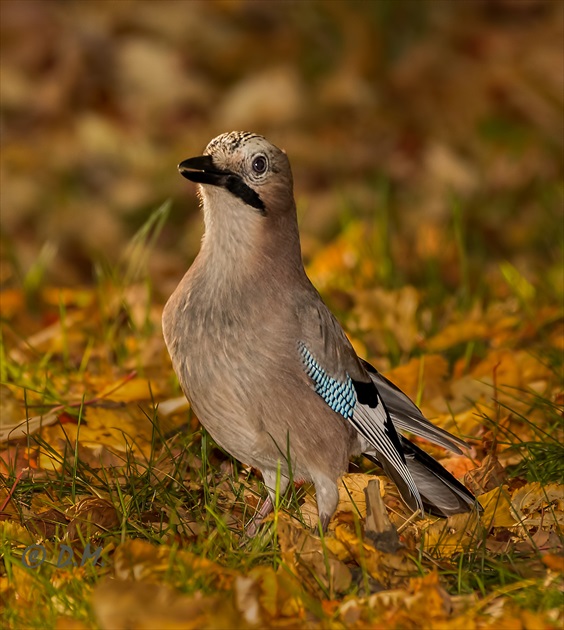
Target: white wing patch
pixel 370 422
pixel 370 419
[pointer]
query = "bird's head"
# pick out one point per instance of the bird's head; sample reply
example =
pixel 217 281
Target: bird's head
pixel 248 201
pixel 246 166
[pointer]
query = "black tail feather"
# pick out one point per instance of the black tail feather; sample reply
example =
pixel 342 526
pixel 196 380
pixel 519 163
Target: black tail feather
pixel 442 494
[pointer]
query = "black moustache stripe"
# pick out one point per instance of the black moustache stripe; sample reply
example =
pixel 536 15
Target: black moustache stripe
pixel 235 185
pixel 202 170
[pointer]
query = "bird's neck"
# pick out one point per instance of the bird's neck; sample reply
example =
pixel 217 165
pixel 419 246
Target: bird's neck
pixel 241 246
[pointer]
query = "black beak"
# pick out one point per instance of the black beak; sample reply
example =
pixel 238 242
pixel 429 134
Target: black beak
pixel 202 171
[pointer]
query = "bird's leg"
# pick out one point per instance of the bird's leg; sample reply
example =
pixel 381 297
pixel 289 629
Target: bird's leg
pixel 327 496
pixel 266 508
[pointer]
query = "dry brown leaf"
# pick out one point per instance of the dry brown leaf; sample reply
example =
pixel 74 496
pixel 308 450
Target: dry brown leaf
pixel 25 584
pixel 17 458
pixel 179 404
pixel 388 569
pixel 536 505
pixel 11 408
pixel 444 538
pixel 508 370
pixel 454 334
pixel 266 586
pixel 55 338
pixel 497 508
pixel 137 559
pixel 131 391
pixel 100 456
pixel 125 604
pixel 121 429
pixel 16 533
pixel 465 423
pixel 351 493
pixel 543 540
pixel 311 559
pixel 18 427
pixel 48 523
pixel 423 603
pixel 458 465
pixel 91 517
pixel 352 500
pixel 466 396
pixel 266 598
pixel 488 476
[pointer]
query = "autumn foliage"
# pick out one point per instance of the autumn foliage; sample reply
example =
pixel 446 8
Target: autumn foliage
pixel 427 147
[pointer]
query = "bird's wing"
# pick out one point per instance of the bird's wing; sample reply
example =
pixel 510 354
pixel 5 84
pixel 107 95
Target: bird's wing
pixel 337 375
pixel 442 494
pixel 406 416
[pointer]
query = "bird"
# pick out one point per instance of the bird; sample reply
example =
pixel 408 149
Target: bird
pixel 267 368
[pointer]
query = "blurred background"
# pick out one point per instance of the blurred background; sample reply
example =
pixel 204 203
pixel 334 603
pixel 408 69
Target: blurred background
pixel 426 137
pixel 427 144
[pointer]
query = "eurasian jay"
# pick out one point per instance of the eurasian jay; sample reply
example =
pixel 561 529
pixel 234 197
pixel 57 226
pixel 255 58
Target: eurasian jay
pixel 267 368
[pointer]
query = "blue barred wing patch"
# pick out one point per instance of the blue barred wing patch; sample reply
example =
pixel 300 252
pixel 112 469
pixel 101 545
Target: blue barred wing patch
pixel 339 395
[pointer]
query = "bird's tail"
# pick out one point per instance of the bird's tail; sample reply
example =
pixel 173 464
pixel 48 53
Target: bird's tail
pixel 442 494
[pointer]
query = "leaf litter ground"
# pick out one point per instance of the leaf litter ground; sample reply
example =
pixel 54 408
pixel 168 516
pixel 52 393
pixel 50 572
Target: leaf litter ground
pixel 98 446
pixel 100 452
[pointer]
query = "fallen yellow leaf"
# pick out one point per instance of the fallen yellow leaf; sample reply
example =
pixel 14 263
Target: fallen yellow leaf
pixel 131 390
pixel 497 508
pixel 444 538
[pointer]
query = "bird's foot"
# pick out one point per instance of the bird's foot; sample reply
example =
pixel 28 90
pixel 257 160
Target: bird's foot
pixel 252 528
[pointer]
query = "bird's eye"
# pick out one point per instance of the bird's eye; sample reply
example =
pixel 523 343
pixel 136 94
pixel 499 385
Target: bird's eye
pixel 259 164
